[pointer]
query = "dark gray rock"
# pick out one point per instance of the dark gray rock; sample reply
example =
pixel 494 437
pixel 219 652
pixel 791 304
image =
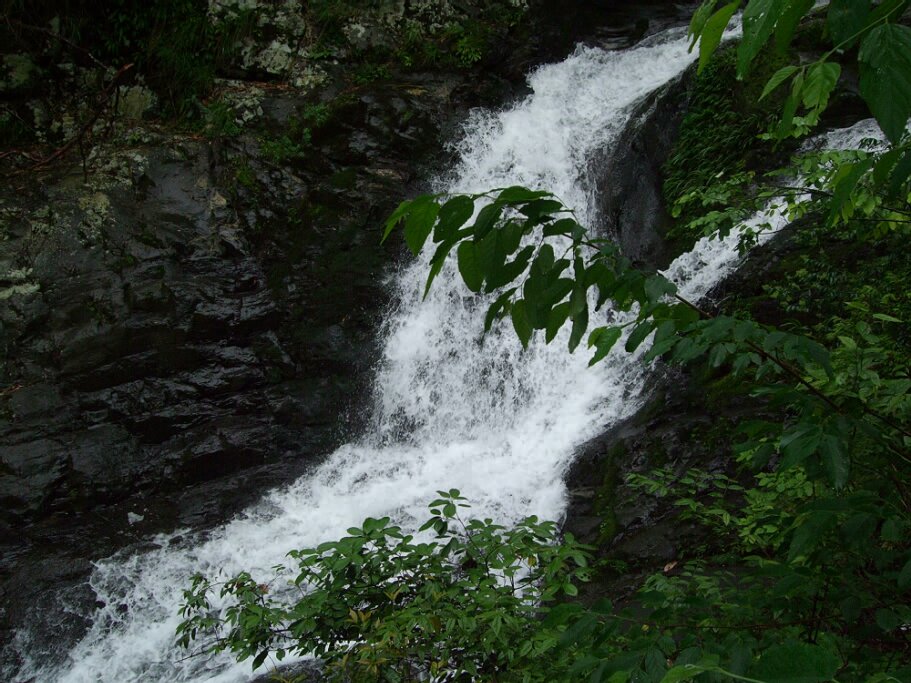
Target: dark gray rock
pixel 628 179
pixel 177 342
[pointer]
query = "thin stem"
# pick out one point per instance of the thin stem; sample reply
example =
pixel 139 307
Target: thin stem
pixel 797 375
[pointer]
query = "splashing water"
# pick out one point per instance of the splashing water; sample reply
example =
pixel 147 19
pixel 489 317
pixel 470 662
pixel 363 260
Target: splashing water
pixel 453 408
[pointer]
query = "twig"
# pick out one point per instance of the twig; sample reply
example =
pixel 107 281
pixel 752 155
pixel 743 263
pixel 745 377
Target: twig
pixel 796 374
pixel 78 139
pixel 56 36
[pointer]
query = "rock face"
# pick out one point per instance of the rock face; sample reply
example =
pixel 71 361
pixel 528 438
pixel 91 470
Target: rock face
pixel 184 326
pixel 151 339
pixel 681 426
pixel 628 179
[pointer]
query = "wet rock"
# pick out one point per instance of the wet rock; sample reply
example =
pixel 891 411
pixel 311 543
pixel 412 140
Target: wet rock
pixel 177 341
pixel 628 180
pixel 682 426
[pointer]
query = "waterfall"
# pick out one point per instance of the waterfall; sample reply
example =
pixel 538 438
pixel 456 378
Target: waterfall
pixel 453 408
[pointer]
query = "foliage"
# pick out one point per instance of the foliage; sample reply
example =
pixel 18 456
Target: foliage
pixel 884 56
pixel 173 44
pixel 282 149
pixel 460 602
pixel 220 120
pixel 368 73
pixel 723 117
pixel 428 34
pixel 813 577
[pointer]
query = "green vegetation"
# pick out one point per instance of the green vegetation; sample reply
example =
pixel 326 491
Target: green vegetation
pixel 432 35
pixel 177 47
pixel 282 149
pixel 383 605
pixel 724 117
pixel 173 44
pixel 808 577
pixel 220 120
pixel 369 72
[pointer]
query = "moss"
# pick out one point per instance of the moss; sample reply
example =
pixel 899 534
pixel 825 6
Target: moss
pixel 605 500
pixel 345 179
pixel 281 149
pixel 724 118
pixel 244 175
pixel 13 130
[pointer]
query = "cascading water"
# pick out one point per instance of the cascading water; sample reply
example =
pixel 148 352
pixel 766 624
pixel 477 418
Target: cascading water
pixel 453 408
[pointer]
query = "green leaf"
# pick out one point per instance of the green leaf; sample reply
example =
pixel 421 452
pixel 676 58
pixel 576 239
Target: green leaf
pixel 468 266
pixel 796 662
pixel 777 79
pixel 835 460
pixel 534 293
pixel 259 659
pixel 885 77
pixel 558 315
pixel 844 182
pixel 580 324
pixel 396 216
pixel 892 531
pixel 453 215
pixel 539 210
pixel 489 254
pixel 520 322
pixel 887 9
pixel 487 219
pixel 419 223
pixel 810 533
pixel 520 195
pixel 700 17
pixel 759 19
pixel 821 80
pixel 798 443
pixel 437 263
pixel 846 18
pixel 904 576
pixel 578 300
pixel 794 11
pixel 685 672
pixel 639 334
pixel 544 261
pixel 713 30
pixel 603 339
pixel 850 608
pixel 510 271
pixel 564 226
pixel 790 106
pixel 657 286
pixel 511 236
pixel 887 620
pixel 884 166
pixel 900 174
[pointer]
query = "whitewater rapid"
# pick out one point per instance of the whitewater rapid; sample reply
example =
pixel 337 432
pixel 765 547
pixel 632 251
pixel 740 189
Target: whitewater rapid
pixel 453 408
